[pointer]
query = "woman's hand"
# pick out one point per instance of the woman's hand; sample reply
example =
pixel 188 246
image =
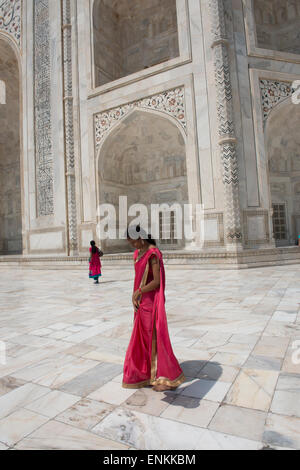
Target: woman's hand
pixel 136 299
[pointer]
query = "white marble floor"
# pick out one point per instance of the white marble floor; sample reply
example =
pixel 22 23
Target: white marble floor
pixel 234 332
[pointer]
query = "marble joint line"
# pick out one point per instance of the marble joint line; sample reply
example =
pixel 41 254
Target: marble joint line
pixel 227 139
pixel 10 18
pixel 171 102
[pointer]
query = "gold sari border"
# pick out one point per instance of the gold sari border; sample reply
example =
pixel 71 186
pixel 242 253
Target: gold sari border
pixel 137 385
pixel 170 383
pixel 160 381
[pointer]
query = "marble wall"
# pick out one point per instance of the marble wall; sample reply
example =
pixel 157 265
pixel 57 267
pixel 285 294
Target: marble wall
pixel 212 86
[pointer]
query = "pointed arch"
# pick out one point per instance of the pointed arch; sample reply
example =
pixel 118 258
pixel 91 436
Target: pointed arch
pixel 11 184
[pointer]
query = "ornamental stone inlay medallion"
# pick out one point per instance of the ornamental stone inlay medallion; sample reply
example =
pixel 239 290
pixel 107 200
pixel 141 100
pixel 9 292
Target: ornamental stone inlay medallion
pixel 10 18
pixel 272 93
pixel 170 102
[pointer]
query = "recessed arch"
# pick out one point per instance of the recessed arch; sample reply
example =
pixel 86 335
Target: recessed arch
pixel 278 25
pixel 143 158
pixel 10 150
pixel 132 35
pixel 283 150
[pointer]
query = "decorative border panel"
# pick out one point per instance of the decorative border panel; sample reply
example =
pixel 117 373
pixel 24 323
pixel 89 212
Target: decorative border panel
pixel 42 109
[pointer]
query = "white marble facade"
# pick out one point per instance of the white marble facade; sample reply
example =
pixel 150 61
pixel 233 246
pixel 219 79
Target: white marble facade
pixel 202 93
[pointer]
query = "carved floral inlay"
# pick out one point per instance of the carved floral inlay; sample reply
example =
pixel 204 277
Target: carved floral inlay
pixel 10 18
pixel 272 92
pixel 170 102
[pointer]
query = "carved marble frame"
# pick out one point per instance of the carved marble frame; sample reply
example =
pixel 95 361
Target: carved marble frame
pixel 184 57
pixel 251 39
pixel 192 155
pixel 219 216
pixel 256 213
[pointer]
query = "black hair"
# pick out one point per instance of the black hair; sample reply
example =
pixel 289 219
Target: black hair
pixel 94 248
pixel 137 233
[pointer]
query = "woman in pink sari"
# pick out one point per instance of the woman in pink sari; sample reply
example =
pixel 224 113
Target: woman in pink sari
pixel 150 359
pixel 95 263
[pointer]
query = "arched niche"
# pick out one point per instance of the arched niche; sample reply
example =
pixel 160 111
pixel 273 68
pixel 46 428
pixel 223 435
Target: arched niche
pixel 132 35
pixel 10 180
pixel 144 159
pixel 283 150
pixel 278 25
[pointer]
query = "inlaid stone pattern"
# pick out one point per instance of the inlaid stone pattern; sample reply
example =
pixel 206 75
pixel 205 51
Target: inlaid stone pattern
pixel 10 18
pixel 42 109
pixel 272 92
pixel 170 102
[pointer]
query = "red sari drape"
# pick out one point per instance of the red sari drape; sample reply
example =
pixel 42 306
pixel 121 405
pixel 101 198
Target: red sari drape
pixel 94 265
pixel 150 359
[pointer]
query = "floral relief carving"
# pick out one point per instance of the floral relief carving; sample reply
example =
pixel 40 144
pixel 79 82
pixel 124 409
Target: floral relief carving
pixel 272 92
pixel 10 18
pixel 170 102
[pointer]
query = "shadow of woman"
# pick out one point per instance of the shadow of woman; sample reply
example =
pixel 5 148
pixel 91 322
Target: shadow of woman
pixel 201 377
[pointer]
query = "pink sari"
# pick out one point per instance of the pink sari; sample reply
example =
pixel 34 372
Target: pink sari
pixel 150 359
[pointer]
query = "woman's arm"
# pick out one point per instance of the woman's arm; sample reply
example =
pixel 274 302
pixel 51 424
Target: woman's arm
pixel 156 277
pixel 153 285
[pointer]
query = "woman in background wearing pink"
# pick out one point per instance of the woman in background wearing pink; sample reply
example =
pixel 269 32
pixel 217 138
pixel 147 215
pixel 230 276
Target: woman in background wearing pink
pixel 95 263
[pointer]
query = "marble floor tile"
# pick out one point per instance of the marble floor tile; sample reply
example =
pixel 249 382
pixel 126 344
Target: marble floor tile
pixel 241 422
pixel 286 396
pixel 59 436
pixel 212 440
pixel 20 397
pixel 263 362
pixel 52 404
pixel 42 332
pixel 18 425
pixel 106 356
pixel 214 371
pixel 111 392
pixel 230 359
pixel 85 414
pixel 57 378
pixel 291 363
pixel 253 389
pixel 283 431
pixel 192 368
pixel 233 337
pixel 148 432
pixel 273 347
pixel 40 368
pixel 284 317
pixel 191 411
pixel 208 389
pixel 92 380
pixel 7 384
pixel 148 401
